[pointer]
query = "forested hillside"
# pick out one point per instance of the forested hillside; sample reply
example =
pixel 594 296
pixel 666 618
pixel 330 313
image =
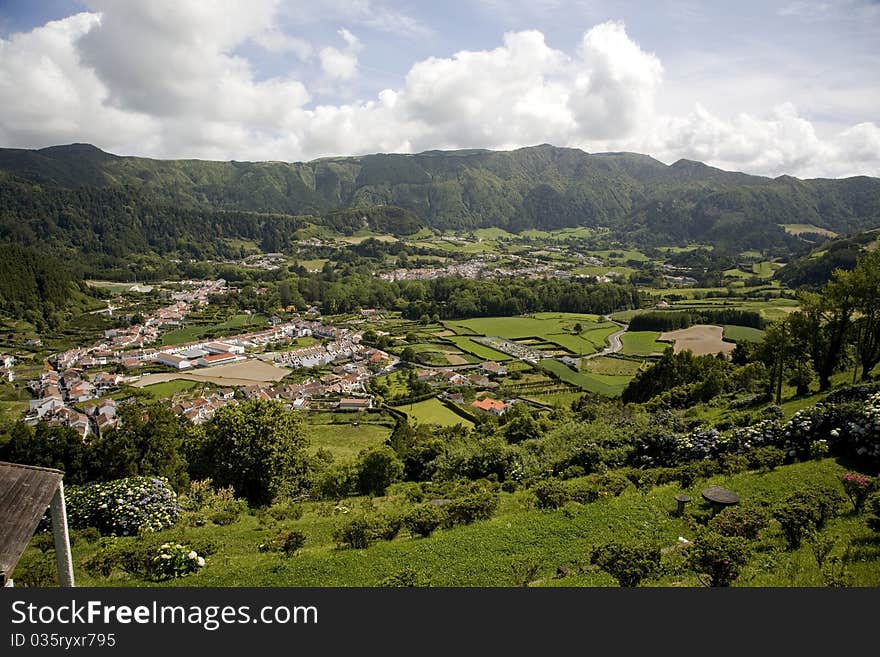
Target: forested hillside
pixel 540 187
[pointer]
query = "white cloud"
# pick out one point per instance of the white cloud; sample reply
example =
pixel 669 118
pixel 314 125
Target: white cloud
pixel 338 65
pixel 341 64
pixel 162 79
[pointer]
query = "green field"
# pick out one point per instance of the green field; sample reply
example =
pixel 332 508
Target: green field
pixel 554 328
pixel 479 350
pixel 541 325
pixel 10 411
pixel 235 323
pixel 642 343
pixel 605 384
pixel 743 333
pixel 345 439
pixel 432 411
pixel 170 388
pixel 612 365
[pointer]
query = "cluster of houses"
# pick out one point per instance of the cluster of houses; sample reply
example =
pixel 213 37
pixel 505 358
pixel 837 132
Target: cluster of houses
pixel 137 336
pixel 57 391
pixel 451 377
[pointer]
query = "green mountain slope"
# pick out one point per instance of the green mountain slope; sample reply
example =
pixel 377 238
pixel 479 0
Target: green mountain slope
pixel 540 187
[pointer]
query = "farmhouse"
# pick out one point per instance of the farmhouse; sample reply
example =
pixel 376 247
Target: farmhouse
pixel 493 406
pixel 173 360
pixel 354 404
pixel 492 367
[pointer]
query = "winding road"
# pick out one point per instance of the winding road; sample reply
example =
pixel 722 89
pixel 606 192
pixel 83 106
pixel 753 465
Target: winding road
pixel 614 342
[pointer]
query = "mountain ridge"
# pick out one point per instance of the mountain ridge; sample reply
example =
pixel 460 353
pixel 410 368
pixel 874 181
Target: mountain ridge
pixel 543 187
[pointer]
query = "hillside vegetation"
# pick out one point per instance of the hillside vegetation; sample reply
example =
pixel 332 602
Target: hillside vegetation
pixel 540 187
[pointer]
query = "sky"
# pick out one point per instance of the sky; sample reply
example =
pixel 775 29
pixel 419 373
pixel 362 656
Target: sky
pixel 771 88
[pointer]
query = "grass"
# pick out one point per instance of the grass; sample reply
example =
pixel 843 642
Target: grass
pixel 432 411
pixel 10 411
pixel 348 436
pixel 192 332
pixel 541 325
pixel 604 384
pixel 486 553
pixel 743 333
pixel 170 388
pixel 479 350
pixel 797 229
pixel 642 343
pixel 613 366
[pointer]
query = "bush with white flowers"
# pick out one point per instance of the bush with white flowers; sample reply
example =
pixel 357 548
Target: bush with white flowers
pixel 175 560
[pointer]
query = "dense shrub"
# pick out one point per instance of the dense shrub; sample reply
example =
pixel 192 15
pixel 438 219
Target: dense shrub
pixel 288 542
pixel 718 557
pixel 470 508
pixel 873 505
pixel 766 459
pixel 423 519
pixel 124 506
pixel 406 578
pixel 550 494
pixel 628 564
pixel 743 521
pixel 355 534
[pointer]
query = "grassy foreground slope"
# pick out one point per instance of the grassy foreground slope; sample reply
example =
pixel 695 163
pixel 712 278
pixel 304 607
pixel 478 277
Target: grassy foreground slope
pixel 494 552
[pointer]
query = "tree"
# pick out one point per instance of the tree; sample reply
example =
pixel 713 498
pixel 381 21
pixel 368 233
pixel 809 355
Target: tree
pixel 408 354
pixel 820 328
pixel 257 447
pixel 719 557
pixel 628 564
pixel 377 469
pixel 149 441
pixel 864 285
pixel 423 519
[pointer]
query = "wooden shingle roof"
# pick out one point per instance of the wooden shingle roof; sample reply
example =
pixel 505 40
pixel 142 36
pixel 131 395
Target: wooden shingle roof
pixel 25 493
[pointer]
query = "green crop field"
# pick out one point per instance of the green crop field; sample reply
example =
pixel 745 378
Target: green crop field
pixel 612 365
pixel 431 411
pixel 604 384
pixel 541 325
pixel 764 269
pixel 743 333
pixel 642 343
pixel 479 350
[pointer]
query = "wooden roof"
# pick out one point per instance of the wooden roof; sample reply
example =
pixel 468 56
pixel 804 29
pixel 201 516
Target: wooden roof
pixel 25 493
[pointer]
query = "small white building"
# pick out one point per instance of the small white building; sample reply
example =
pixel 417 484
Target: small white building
pixel 173 360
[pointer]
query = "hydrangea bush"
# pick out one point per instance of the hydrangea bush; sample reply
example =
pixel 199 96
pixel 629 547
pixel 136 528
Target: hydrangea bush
pixel 123 507
pixel 175 560
pixel 850 428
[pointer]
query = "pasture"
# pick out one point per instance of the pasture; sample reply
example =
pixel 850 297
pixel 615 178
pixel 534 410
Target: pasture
pixel 345 435
pixel 642 343
pixel 610 385
pixel 432 411
pixel 553 328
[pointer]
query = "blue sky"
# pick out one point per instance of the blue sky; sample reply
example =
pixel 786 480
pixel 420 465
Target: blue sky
pixel 765 87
